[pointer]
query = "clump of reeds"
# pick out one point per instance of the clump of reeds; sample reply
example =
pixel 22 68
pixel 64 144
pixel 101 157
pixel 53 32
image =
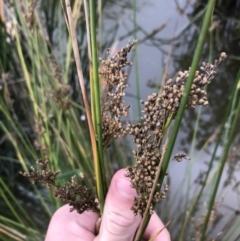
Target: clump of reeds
pixel 159 109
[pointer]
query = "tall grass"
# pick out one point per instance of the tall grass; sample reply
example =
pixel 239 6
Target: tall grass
pixel 44 120
pixel 43 116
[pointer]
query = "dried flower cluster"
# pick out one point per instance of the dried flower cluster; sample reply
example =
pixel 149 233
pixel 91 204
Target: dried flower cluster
pixel 46 176
pixel 39 131
pixel 180 156
pixel 28 14
pixel 173 90
pixel 77 196
pixel 62 96
pixel 198 224
pixel 114 107
pixel 159 109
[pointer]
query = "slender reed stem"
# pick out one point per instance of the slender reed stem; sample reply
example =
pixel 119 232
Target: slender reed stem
pixel 178 119
pixel 194 65
pixel 86 12
pixel 86 104
pixel 222 162
pixel 199 195
pixel 100 21
pixel 97 103
pixel 136 59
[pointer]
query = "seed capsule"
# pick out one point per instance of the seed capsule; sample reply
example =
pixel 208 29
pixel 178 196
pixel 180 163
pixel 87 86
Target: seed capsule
pixel 169 81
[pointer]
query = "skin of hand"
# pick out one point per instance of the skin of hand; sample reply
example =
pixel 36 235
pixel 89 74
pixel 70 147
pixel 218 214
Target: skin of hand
pixel 118 221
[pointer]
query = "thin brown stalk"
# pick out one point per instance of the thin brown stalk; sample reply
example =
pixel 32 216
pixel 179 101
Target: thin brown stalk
pixel 155 235
pixel 10 235
pixel 152 34
pixel 146 215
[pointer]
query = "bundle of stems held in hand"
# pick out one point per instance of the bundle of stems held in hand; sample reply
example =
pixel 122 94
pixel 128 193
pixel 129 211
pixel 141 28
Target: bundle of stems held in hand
pixel 148 135
pixel 65 107
pixel 159 110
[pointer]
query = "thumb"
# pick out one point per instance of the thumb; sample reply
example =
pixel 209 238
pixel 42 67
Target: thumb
pixel 118 221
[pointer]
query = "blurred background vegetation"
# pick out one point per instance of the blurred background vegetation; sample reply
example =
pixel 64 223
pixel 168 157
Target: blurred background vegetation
pixel 42 114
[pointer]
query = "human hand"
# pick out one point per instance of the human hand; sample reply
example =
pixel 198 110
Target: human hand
pixel 118 221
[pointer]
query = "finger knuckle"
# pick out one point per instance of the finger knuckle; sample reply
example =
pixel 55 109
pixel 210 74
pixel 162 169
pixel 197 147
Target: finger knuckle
pixel 118 222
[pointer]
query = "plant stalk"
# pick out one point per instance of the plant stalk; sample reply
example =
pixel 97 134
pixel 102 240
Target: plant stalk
pixel 199 195
pixel 222 162
pixel 102 192
pixel 86 104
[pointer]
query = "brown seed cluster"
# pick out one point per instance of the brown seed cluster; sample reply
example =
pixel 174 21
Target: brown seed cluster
pixel 180 156
pixel 173 90
pixel 198 224
pixel 62 96
pixel 159 109
pixel 46 176
pixel 39 131
pixel 62 93
pixel 77 196
pixel 114 107
pixel 28 14
pixel 146 136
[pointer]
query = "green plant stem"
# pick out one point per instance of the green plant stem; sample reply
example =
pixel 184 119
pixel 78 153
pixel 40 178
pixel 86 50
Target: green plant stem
pixel 173 136
pixel 136 59
pixel 87 108
pixel 232 231
pixel 100 21
pixel 102 188
pixel 223 159
pixel 11 233
pixel 199 195
pixel 193 160
pixel 194 65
